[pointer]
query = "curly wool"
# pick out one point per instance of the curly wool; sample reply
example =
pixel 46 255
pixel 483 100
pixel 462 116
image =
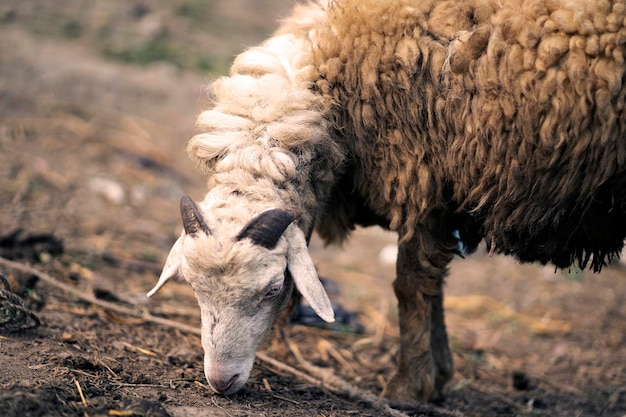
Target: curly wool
pixel 502 119
pixel 266 138
pixel 508 114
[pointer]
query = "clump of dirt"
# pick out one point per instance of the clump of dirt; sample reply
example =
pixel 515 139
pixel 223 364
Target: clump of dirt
pixel 60 401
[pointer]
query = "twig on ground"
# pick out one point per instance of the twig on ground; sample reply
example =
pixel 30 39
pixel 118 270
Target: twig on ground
pixel 279 366
pixel 80 392
pixel 337 385
pixel 133 348
pixel 318 377
pixel 80 372
pixel 329 382
pixel 219 406
pixel 89 298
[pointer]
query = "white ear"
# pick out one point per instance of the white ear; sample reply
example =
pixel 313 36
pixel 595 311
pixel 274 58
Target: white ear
pixel 305 276
pixel 172 265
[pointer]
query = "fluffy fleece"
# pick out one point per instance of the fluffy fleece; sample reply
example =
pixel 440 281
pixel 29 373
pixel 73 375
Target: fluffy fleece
pixel 508 114
pixel 501 119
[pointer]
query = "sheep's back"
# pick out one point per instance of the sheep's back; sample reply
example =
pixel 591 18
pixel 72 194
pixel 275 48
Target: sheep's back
pixel 539 151
pixel 513 115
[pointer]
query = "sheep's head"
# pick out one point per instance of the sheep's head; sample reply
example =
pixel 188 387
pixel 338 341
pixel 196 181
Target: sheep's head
pixel 242 281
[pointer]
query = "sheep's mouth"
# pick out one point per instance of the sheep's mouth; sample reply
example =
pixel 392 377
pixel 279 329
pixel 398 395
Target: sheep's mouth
pixel 227 386
pixel 228 378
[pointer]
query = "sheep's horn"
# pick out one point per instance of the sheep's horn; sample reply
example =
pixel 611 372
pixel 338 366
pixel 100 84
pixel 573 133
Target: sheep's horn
pixel 192 218
pixel 266 228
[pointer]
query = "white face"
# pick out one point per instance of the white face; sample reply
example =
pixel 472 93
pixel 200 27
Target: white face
pixel 242 280
pixel 238 309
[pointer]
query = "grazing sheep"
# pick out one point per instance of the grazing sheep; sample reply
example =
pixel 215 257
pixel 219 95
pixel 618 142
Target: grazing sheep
pixel 501 120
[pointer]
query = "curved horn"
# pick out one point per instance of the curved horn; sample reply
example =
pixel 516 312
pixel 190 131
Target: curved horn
pixel 266 228
pixel 192 218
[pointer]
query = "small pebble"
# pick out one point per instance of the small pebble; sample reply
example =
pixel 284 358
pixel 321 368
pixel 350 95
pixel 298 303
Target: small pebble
pixel 109 189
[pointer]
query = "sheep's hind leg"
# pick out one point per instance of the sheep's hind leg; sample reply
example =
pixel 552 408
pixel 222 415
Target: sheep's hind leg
pixel 421 374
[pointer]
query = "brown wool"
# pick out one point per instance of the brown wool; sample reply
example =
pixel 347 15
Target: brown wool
pixel 509 112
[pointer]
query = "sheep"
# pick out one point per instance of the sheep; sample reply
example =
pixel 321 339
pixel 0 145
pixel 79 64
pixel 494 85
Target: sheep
pixel 482 119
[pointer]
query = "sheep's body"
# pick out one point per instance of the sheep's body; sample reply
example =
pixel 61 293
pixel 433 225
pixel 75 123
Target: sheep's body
pixel 512 114
pixel 502 120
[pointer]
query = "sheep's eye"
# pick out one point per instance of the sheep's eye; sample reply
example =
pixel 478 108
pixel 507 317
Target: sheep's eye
pixel 273 291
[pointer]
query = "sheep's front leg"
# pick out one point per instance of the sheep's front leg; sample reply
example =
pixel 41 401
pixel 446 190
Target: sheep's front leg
pixel 439 346
pixel 421 373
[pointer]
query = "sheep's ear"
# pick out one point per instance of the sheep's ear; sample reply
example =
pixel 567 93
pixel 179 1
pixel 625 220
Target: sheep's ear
pixel 171 268
pixel 267 228
pixel 193 221
pixel 302 270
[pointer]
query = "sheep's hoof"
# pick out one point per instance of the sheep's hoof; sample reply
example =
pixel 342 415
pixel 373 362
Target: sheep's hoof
pixel 405 390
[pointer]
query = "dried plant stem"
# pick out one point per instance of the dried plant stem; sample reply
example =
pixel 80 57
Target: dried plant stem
pixel 323 378
pixel 89 298
pixel 337 385
pixel 80 392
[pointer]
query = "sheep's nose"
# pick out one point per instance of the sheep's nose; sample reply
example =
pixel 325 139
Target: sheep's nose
pixel 221 383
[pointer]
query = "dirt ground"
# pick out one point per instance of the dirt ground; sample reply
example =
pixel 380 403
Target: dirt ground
pixel 97 101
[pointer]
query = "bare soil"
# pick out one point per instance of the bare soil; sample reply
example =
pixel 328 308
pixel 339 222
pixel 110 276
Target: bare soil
pixel 97 102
